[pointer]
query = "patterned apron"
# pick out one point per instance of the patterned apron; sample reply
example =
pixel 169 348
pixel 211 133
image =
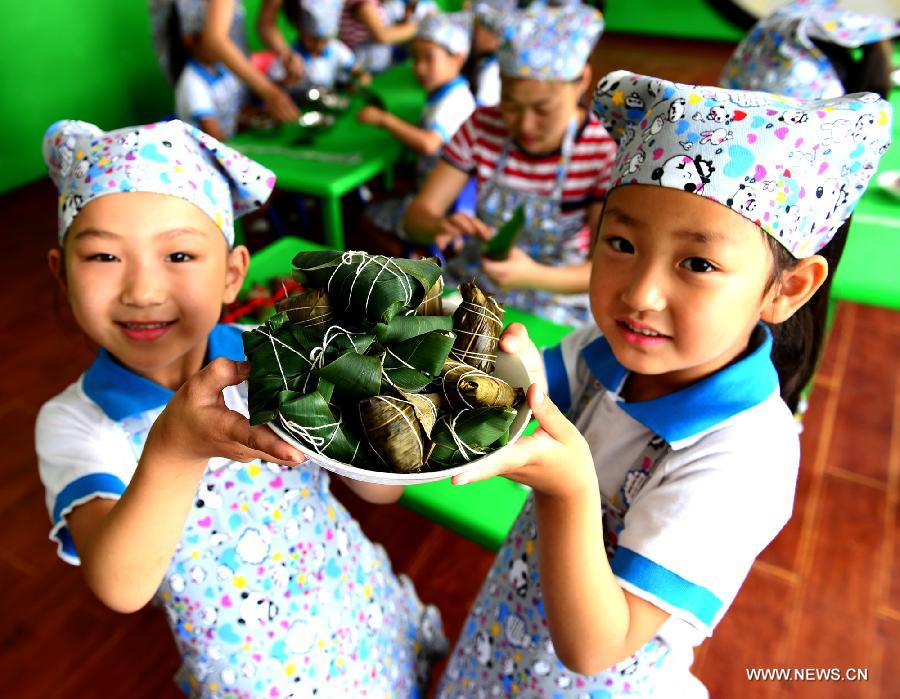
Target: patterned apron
pixel 275 591
pixel 505 648
pixel 545 239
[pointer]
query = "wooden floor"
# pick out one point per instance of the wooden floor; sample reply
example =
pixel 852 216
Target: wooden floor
pixel 825 594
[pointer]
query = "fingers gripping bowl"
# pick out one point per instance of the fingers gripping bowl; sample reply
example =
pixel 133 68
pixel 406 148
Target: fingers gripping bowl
pixel 369 376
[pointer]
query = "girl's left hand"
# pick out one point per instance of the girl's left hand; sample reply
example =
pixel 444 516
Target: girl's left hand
pixel 556 460
pixel 370 115
pixel 515 272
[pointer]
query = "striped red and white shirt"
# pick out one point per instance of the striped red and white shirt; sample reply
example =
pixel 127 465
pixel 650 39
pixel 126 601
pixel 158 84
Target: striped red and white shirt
pixel 476 148
pixel 353 32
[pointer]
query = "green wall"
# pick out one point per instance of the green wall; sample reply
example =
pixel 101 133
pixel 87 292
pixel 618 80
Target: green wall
pixel 695 19
pixel 92 60
pixel 89 60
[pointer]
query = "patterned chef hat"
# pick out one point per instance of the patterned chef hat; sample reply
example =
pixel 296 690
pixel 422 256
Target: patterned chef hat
pixel 452 30
pixel 320 19
pixel 168 157
pixel 795 168
pixel 779 56
pixel 545 43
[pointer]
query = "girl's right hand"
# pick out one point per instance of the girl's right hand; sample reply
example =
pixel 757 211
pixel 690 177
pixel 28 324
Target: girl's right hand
pixel 196 425
pixel 294 67
pixel 456 227
pixel 279 104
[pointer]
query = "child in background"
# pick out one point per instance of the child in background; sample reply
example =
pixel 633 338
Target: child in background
pixel 217 28
pixel 367 31
pixel 804 49
pixel 326 60
pixel 396 11
pixel 269 586
pixel 680 461
pixel 207 94
pixel 438 51
pixel 482 70
pixel 538 150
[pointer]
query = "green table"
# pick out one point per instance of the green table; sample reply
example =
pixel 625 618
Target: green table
pixel 482 512
pixel 332 162
pixel 868 271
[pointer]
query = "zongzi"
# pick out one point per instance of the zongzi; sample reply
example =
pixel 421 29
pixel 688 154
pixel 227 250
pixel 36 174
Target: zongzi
pixel 477 322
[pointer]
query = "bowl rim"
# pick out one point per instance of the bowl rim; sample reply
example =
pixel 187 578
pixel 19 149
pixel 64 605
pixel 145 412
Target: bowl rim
pixel 392 478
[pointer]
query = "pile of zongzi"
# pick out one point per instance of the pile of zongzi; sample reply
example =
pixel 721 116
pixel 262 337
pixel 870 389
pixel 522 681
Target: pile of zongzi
pixel 362 366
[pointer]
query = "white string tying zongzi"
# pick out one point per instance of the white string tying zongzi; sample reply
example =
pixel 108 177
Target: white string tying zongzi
pixel 312 320
pixel 467 371
pixel 318 444
pixel 416 431
pixel 465 450
pixel 273 340
pixel 461 354
pixel 353 257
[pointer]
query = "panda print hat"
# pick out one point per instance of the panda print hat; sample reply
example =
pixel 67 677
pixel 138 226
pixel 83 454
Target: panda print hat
pixel 795 168
pixel 168 157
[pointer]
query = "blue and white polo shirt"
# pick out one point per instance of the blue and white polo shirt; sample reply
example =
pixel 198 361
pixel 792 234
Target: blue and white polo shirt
pixel 89 438
pixel 203 92
pixel 720 495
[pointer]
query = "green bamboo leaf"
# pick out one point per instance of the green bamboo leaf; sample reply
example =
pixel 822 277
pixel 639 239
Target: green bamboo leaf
pixel 353 376
pixel 276 350
pixel 468 435
pixel 372 287
pixel 498 246
pixel 310 420
pixel 404 327
pixel 414 363
pixel 464 386
pixel 477 322
pixel 307 309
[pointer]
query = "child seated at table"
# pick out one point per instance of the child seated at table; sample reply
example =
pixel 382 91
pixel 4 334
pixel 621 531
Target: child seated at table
pixel 439 51
pixel 401 10
pixel 482 70
pixel 327 60
pixel 539 150
pixel 207 94
pixel 366 28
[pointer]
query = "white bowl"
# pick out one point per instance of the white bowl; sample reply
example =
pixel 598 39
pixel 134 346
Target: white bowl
pixel 509 368
pixel 889 181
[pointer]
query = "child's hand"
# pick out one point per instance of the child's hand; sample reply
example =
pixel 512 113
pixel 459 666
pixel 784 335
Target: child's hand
pixel 456 227
pixel 294 67
pixel 515 340
pixel 197 425
pixel 518 271
pixel 279 104
pixel 556 460
pixel 371 115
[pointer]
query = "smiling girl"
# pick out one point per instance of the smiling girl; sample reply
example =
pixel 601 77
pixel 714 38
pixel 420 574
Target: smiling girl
pixel 666 458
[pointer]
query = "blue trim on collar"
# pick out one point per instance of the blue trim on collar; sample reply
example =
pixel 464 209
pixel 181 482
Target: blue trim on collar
pixel 701 406
pixel 444 89
pixel 488 60
pixel 121 393
pixel 307 56
pixel 557 378
pixel 225 341
pixel 210 77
